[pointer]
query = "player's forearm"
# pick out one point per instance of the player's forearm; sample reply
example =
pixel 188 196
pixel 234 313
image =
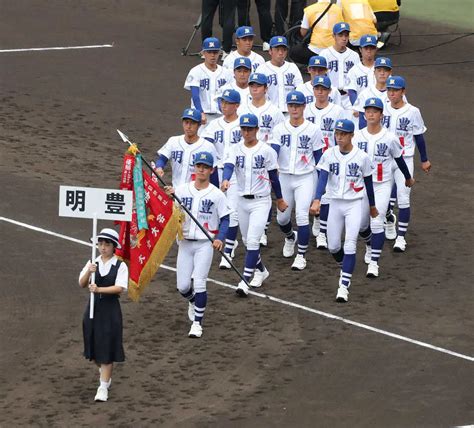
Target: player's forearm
pixel 214 179
pixel 228 171
pixel 403 167
pixel 196 99
pixel 84 279
pixel 369 188
pixel 223 228
pixel 273 174
pixel 421 144
pixel 322 183
pixel 161 161
pixel 317 155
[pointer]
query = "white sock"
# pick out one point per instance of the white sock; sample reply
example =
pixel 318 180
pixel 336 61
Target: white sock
pixel 104 384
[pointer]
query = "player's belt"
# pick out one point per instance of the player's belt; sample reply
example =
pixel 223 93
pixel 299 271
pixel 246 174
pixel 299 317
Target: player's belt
pixel 192 240
pixel 342 92
pixel 249 196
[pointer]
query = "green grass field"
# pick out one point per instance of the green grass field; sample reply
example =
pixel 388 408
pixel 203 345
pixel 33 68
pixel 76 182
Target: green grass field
pixel 458 13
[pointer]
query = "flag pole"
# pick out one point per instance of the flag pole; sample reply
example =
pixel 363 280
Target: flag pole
pixel 94 246
pixel 125 139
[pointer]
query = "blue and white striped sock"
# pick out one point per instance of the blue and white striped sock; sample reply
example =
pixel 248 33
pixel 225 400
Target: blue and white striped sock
pixel 403 220
pixel 189 295
pixel 287 229
pixel 230 239
pixel 251 259
pixel 348 264
pixel 376 243
pixel 200 306
pixel 339 257
pixel 303 239
pixel 323 218
pixel 366 235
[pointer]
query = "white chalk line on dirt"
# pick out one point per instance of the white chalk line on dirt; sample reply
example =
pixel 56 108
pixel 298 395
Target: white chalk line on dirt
pixel 56 48
pixel 273 299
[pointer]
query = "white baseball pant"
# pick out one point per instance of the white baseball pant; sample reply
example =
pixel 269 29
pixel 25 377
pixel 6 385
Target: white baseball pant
pixel 382 193
pixel 194 261
pixel 344 214
pixel 253 215
pixel 298 193
pixel 403 192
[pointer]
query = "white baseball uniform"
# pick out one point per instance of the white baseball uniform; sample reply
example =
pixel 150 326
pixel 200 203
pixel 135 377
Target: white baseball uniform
pixel 268 116
pixel 359 77
pixel 307 90
pixel 371 92
pixel 245 97
pixel 254 57
pixel 281 81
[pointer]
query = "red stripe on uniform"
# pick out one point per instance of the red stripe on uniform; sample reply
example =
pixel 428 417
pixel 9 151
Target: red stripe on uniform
pixel 326 144
pixel 379 172
pixel 402 142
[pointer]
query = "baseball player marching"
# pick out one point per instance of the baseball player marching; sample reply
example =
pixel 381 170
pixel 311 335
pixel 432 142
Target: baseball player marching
pixel 405 121
pixel 299 145
pixel 209 206
pixel 242 69
pixel 344 172
pixel 244 41
pixel 383 149
pixel 182 149
pixel 255 166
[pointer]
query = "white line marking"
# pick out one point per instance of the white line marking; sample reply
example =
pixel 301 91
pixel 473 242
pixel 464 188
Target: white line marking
pixel 273 299
pixel 56 48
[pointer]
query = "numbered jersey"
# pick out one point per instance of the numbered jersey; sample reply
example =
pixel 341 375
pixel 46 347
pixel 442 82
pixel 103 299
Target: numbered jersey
pixel 405 123
pixel 297 145
pixel 223 135
pixel 251 166
pixel 325 119
pixel 359 78
pixel 382 148
pixel 209 82
pixel 181 156
pixel 339 65
pixel 254 58
pixel 307 90
pixel 346 172
pixel 207 206
pixel 268 115
pixel 245 97
pixel 281 81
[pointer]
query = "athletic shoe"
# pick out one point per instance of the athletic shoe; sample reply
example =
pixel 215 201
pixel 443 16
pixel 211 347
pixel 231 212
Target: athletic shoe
pixel 299 263
pixel 242 289
pixel 191 311
pixel 232 254
pixel 264 240
pixel 265 47
pixel 390 228
pixel 400 244
pixel 195 330
pixel 102 394
pixel 372 270
pixel 321 241
pixel 289 247
pixel 368 254
pixel 224 264
pixel 342 294
pixel 316 225
pixel 259 277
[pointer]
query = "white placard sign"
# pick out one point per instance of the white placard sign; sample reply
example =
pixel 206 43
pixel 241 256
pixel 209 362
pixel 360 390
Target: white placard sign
pixel 85 202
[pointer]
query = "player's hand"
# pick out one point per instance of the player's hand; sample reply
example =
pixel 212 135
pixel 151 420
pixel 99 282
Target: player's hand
pixel 217 244
pixel 203 118
pixel 282 205
pixel 159 172
pixel 92 267
pixel 169 190
pixel 355 113
pixel 374 212
pixel 426 166
pixel 410 182
pixel 315 208
pixel 93 288
pixel 225 185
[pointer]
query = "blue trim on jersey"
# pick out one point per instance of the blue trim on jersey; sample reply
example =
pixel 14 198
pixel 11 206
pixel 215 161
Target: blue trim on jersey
pixel 352 96
pixel 403 167
pixel 369 187
pixel 195 98
pixel 322 183
pixel 362 121
pixel 273 174
pixel 223 228
pixel 420 143
pixel 276 147
pixel 228 171
pixel 317 155
pixel 161 161
pixel 214 179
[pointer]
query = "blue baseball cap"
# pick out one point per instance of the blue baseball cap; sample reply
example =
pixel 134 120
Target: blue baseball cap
pixel 211 44
pixel 396 82
pixel 374 102
pixel 231 96
pixel 340 27
pixel 368 40
pixel 193 114
pixel 322 81
pixel 278 41
pixel 295 97
pixel 383 62
pixel 258 78
pixel 204 158
pixel 248 121
pixel 345 125
pixel 318 61
pixel 244 32
pixel 243 62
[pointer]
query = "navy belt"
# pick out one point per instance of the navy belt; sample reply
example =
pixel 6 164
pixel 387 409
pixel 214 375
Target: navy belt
pixel 249 196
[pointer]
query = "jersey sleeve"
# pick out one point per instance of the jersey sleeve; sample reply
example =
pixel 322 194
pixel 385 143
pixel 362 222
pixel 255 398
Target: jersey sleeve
pixel 209 133
pixel 359 102
pixel 276 134
pixel 223 208
pixel 351 80
pixel 271 159
pixel 298 77
pixel 418 123
pixel 318 141
pixel 122 276
pixel 323 163
pixel 396 149
pixel 228 62
pixel 192 80
pixel 230 155
pixel 212 151
pixel 278 117
pixel 367 166
pixel 166 149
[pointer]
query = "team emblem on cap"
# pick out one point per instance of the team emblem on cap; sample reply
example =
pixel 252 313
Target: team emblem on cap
pixel 190 112
pixel 368 39
pixel 392 81
pixel 293 97
pixel 383 61
pixel 280 39
pixel 320 80
pixel 226 93
pixel 318 61
pixel 247 30
pixel 372 101
pixel 242 61
pixel 203 155
pixel 343 25
pixel 339 124
pixel 246 120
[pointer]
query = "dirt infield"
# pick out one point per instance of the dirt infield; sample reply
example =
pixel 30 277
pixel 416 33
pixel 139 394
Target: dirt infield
pixel 260 363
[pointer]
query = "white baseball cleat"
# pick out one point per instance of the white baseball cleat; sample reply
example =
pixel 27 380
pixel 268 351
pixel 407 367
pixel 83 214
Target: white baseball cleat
pixel 289 247
pixel 391 228
pixel 299 263
pixel 259 277
pixel 321 241
pixel 236 244
pixel 368 254
pixel 191 311
pixel 342 294
pixel 102 394
pixel 372 270
pixel 196 330
pixel 264 240
pixel 400 244
pixel 316 226
pixel 242 289
pixel 224 264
